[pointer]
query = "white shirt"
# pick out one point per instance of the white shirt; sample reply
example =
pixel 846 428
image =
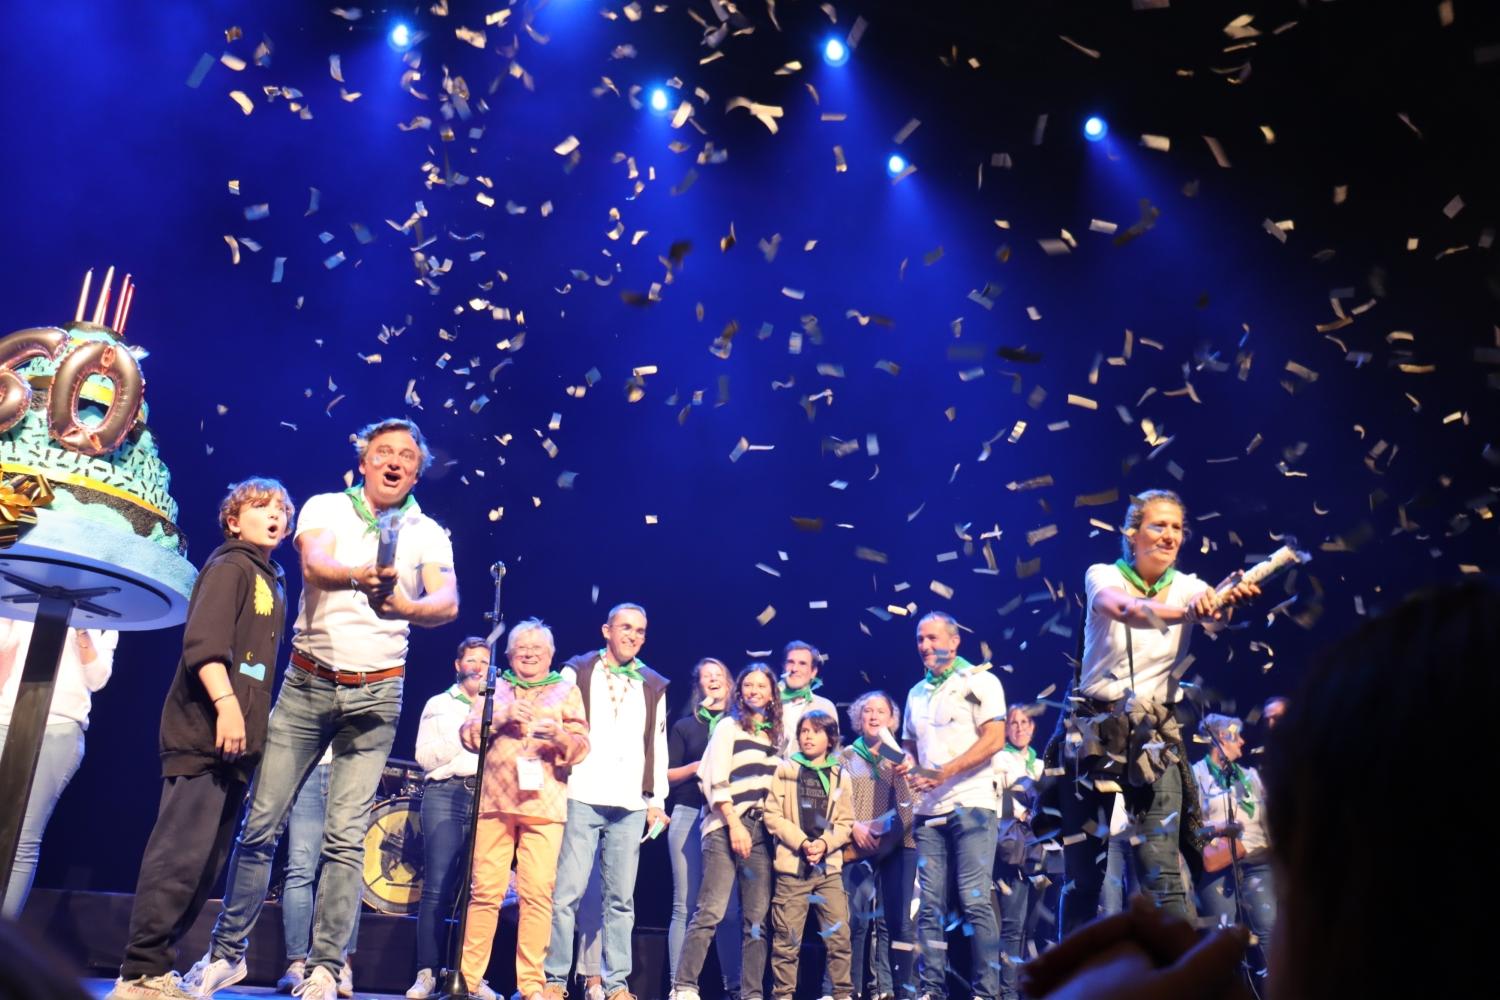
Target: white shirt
pixel 945 722
pixel 611 774
pixel 338 626
pixel 72 695
pixel 1106 668
pixel 1011 766
pixel 439 751
pixel 793 711
pixel 1216 804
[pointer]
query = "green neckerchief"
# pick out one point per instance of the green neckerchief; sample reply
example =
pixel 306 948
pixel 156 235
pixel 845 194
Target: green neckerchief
pixel 760 727
pixel 514 680
pixel 821 770
pixel 1236 774
pixel 457 694
pixel 802 693
pixel 356 495
pixel 859 746
pixel 935 681
pixel 1030 752
pixel 1129 573
pixel 628 669
pixel 709 718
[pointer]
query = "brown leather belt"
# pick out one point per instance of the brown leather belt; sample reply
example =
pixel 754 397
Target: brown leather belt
pixel 346 678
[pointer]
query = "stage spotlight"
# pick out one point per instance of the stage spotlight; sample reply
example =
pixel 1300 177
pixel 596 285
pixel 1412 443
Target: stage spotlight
pixel 894 164
pixel 659 100
pixel 835 52
pixel 400 36
pixel 1095 128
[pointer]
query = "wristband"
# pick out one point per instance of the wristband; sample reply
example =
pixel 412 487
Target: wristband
pixel 353 583
pixel 222 697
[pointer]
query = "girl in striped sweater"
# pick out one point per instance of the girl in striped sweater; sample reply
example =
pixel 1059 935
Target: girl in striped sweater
pixel 736 774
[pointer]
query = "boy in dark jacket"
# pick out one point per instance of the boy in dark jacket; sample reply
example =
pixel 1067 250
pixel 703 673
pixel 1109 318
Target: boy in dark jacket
pixel 213 729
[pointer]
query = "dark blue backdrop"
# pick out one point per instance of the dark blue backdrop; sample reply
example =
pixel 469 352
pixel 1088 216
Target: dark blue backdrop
pixel 112 158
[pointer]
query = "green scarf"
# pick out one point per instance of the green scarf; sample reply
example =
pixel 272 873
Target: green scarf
pixel 710 718
pixel 356 495
pixel 860 747
pixel 1237 775
pixel 821 770
pixel 511 678
pixel 1030 752
pixel 628 669
pixel 935 681
pixel 760 727
pixel 1129 573
pixel 800 694
pixel 457 694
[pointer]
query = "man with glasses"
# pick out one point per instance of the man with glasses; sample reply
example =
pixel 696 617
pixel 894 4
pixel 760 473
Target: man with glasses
pixel 615 797
pixel 343 689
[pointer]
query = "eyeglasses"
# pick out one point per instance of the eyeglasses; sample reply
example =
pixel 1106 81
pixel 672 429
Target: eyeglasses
pixel 628 630
pixel 529 652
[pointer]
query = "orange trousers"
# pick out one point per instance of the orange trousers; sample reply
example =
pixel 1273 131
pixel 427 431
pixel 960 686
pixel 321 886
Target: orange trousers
pixel 535 846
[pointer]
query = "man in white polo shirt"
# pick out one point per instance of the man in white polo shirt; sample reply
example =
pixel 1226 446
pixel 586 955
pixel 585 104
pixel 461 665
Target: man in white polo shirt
pixel 615 796
pixel 954 725
pixel 343 688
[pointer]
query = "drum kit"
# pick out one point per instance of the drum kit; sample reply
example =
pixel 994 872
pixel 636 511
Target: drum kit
pixel 393 843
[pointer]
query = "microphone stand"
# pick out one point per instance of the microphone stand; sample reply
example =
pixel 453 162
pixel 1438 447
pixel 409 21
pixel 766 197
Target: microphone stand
pixel 455 986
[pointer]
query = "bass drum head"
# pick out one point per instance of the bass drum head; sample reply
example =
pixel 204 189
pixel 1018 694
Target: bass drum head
pixel 393 856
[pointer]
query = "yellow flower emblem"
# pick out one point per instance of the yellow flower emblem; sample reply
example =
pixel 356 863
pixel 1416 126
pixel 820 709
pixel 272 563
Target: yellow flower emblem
pixel 264 599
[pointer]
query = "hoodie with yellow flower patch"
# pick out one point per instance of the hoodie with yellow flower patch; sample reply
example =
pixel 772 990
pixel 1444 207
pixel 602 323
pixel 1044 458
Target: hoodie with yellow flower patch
pixel 236 617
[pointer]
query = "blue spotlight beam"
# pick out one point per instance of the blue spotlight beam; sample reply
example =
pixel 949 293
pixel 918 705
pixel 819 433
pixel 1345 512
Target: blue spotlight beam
pixel 1095 128
pixel 835 52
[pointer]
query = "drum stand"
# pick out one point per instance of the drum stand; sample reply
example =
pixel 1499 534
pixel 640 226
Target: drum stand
pixel 454 985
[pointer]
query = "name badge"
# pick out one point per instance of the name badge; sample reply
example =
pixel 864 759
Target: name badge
pixel 529 774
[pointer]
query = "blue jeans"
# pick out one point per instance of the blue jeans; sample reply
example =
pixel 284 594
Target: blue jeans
pixel 1013 899
pixel 1119 880
pixel 613 835
pixel 866 921
pixel 685 849
pixel 966 842
pixel 310 713
pixel 445 833
pixel 723 871
pixel 304 843
pixel 62 752
pixel 1155 858
pixel 1257 900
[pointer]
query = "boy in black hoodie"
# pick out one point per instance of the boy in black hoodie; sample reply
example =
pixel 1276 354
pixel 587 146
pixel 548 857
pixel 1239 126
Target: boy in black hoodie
pixel 213 729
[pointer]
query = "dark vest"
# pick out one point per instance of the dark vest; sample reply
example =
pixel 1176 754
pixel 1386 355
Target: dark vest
pixel 654 684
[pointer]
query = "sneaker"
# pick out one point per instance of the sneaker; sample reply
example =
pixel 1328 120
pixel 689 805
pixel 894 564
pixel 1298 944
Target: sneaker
pixel 346 980
pixel 319 985
pixel 292 977
pixel 210 975
pixel 482 991
pixel 164 987
pixel 557 991
pixel 593 988
pixel 620 994
pixel 424 987
pixel 682 994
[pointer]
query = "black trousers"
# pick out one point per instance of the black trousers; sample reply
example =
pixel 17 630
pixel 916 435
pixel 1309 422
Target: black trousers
pixel 187 850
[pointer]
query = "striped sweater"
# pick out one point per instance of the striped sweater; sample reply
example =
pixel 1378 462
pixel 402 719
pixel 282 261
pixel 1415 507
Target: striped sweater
pixel 736 768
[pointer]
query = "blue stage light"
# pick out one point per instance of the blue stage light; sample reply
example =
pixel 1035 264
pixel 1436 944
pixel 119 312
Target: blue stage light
pixel 835 52
pixel 400 36
pixel 894 164
pixel 1095 128
pixel 659 100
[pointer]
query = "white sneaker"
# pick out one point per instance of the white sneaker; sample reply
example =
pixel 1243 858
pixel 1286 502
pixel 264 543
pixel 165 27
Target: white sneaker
pixel 292 977
pixel 594 991
pixel 482 991
pixel 319 985
pixel 164 987
pixel 346 980
pixel 424 987
pixel 209 976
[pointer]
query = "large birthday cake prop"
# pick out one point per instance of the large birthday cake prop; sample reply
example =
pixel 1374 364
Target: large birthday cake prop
pixel 73 415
